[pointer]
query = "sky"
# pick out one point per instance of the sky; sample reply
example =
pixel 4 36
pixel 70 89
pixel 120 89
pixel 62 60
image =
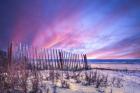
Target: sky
pixel 103 29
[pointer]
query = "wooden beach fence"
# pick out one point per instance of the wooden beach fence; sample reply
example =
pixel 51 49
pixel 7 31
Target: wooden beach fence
pixel 46 59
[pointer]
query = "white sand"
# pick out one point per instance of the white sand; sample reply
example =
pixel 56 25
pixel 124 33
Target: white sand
pixel 117 66
pixel 130 81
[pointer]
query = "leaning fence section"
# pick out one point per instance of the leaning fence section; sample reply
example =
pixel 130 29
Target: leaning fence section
pixel 46 59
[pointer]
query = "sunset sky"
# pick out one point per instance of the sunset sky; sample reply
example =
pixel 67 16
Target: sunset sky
pixel 100 28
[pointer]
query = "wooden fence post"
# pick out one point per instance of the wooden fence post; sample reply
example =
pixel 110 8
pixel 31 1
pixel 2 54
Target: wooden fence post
pixel 85 61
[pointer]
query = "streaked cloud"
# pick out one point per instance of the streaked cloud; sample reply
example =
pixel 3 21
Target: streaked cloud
pixel 99 28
